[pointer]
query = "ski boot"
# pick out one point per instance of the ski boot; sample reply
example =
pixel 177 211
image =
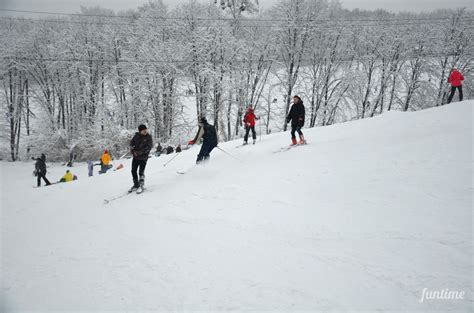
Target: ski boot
pixel 254 141
pixel 134 188
pixel 293 142
pixel 302 140
pixel 141 187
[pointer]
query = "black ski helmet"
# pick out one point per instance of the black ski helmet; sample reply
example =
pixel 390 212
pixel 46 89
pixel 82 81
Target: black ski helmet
pixel 141 127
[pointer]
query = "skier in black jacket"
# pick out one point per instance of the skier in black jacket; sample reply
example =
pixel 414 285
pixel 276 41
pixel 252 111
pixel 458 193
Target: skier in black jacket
pixel 296 116
pixel 140 147
pixel 40 170
pixel 209 135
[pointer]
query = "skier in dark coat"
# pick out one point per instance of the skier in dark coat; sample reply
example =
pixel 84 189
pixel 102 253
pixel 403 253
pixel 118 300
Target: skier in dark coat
pixel 296 116
pixel 40 170
pixel 140 147
pixel 209 135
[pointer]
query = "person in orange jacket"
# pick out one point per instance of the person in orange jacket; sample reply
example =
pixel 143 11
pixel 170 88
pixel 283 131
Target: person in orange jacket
pixel 105 162
pixel 455 79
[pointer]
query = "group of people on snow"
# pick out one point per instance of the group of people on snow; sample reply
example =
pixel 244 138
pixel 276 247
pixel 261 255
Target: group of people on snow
pixel 168 150
pixel 40 168
pixel 142 142
pixel 40 172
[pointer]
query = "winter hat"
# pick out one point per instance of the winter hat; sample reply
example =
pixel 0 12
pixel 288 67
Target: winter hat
pixel 106 151
pixel 295 96
pixel 141 127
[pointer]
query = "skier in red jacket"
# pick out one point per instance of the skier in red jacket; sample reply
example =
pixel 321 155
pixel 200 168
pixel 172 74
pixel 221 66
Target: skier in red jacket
pixel 455 79
pixel 249 123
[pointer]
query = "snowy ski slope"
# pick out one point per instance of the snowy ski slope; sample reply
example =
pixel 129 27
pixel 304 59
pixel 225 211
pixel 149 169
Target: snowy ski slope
pixel 363 218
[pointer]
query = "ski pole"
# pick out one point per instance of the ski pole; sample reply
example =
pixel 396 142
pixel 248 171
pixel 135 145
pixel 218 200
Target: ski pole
pixel 169 161
pixel 228 154
pixel 124 155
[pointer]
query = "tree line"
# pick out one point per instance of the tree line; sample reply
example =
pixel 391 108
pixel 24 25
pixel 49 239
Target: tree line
pixel 83 82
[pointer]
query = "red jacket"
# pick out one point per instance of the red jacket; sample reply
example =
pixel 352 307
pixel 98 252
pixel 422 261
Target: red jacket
pixel 455 79
pixel 249 118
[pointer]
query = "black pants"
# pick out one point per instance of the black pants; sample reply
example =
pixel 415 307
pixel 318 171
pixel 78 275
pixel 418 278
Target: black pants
pixel 140 166
pixel 453 89
pixel 206 149
pixel 39 176
pixel 247 131
pixel 294 129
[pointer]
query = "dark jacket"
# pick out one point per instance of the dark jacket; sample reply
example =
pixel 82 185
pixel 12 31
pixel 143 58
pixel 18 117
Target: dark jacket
pixel 208 133
pixel 40 165
pixel 141 146
pixel 296 115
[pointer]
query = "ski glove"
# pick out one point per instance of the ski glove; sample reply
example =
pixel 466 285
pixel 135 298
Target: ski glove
pixel 191 142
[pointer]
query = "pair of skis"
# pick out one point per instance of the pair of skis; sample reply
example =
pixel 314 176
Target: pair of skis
pixel 137 191
pixel 244 144
pixel 54 183
pixel 290 147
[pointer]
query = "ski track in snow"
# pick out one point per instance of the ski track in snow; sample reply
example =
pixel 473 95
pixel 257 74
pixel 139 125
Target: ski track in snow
pixel 363 218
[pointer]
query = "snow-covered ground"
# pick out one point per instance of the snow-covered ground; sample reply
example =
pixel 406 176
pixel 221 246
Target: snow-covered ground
pixel 363 218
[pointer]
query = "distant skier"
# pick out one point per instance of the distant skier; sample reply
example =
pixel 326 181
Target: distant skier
pixel 178 149
pixel 455 79
pixel 296 116
pixel 72 158
pixel 209 135
pixel 140 146
pixel 105 162
pixel 249 123
pixel 68 177
pixel 40 170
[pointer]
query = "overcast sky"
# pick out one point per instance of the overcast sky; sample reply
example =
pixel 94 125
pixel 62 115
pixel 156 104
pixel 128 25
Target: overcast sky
pixel 69 6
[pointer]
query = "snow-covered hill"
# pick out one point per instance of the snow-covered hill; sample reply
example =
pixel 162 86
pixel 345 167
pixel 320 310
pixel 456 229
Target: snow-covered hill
pixel 365 217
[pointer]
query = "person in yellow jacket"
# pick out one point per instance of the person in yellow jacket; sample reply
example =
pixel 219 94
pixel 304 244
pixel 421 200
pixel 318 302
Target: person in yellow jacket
pixel 105 162
pixel 68 177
